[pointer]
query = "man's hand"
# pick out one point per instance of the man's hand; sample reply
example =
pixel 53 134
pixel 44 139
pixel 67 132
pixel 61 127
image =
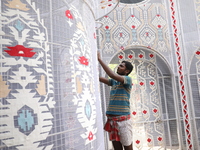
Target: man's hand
pixel 109 72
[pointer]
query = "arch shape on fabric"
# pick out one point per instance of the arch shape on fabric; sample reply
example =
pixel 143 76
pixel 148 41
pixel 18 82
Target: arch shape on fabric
pixel 153 99
pixel 194 84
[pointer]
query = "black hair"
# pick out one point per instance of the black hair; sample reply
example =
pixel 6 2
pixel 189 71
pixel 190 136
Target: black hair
pixel 128 65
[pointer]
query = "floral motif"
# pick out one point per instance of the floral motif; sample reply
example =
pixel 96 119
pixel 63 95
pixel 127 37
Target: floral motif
pixel 151 55
pixel 144 111
pixel 198 52
pixel 120 56
pixel 151 83
pixel 68 14
pixel 141 56
pixel 90 136
pixel 137 142
pixel 159 138
pixel 20 50
pixel 141 83
pixel 159 26
pixel 107 27
pixel 155 110
pixel 133 26
pixel 134 113
pixel 130 56
pixel 149 140
pixel 83 60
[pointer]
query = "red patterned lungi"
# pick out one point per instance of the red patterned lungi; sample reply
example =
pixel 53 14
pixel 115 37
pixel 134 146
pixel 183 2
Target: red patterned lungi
pixel 120 129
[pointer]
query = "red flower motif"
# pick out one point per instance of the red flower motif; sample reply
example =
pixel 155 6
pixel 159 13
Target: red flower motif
pixel 133 26
pixel 140 55
pixel 132 16
pixel 130 56
pixel 110 5
pixel 159 26
pixel 151 55
pixel 122 48
pixel 90 136
pixel 149 140
pixel 159 138
pixel 107 27
pixel 155 110
pixel 144 112
pixel 120 56
pixel 20 50
pixel 83 60
pixel 151 83
pixel 134 113
pixel 68 14
pixel 137 142
pixel 198 52
pixel 141 83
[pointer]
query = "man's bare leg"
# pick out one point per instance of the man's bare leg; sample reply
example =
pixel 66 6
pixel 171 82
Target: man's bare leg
pixel 117 145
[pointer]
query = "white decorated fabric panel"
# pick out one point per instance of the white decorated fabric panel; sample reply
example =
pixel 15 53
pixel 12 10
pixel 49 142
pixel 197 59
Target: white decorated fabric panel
pixel 101 8
pixel 26 75
pixel 168 29
pixel 49 94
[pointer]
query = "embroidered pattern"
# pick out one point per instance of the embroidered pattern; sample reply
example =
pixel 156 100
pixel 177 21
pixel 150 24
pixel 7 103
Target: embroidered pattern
pixel 25 68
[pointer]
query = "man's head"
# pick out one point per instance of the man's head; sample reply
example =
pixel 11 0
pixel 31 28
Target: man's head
pixel 124 68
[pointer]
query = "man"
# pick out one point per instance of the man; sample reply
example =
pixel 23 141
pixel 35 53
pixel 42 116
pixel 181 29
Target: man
pixel 118 112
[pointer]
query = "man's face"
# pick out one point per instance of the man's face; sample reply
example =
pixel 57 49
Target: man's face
pixel 121 70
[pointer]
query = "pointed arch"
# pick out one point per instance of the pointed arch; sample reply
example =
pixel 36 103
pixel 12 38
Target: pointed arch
pixel 153 99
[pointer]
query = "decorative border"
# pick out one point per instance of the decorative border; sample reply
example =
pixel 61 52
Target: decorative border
pixel 181 77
